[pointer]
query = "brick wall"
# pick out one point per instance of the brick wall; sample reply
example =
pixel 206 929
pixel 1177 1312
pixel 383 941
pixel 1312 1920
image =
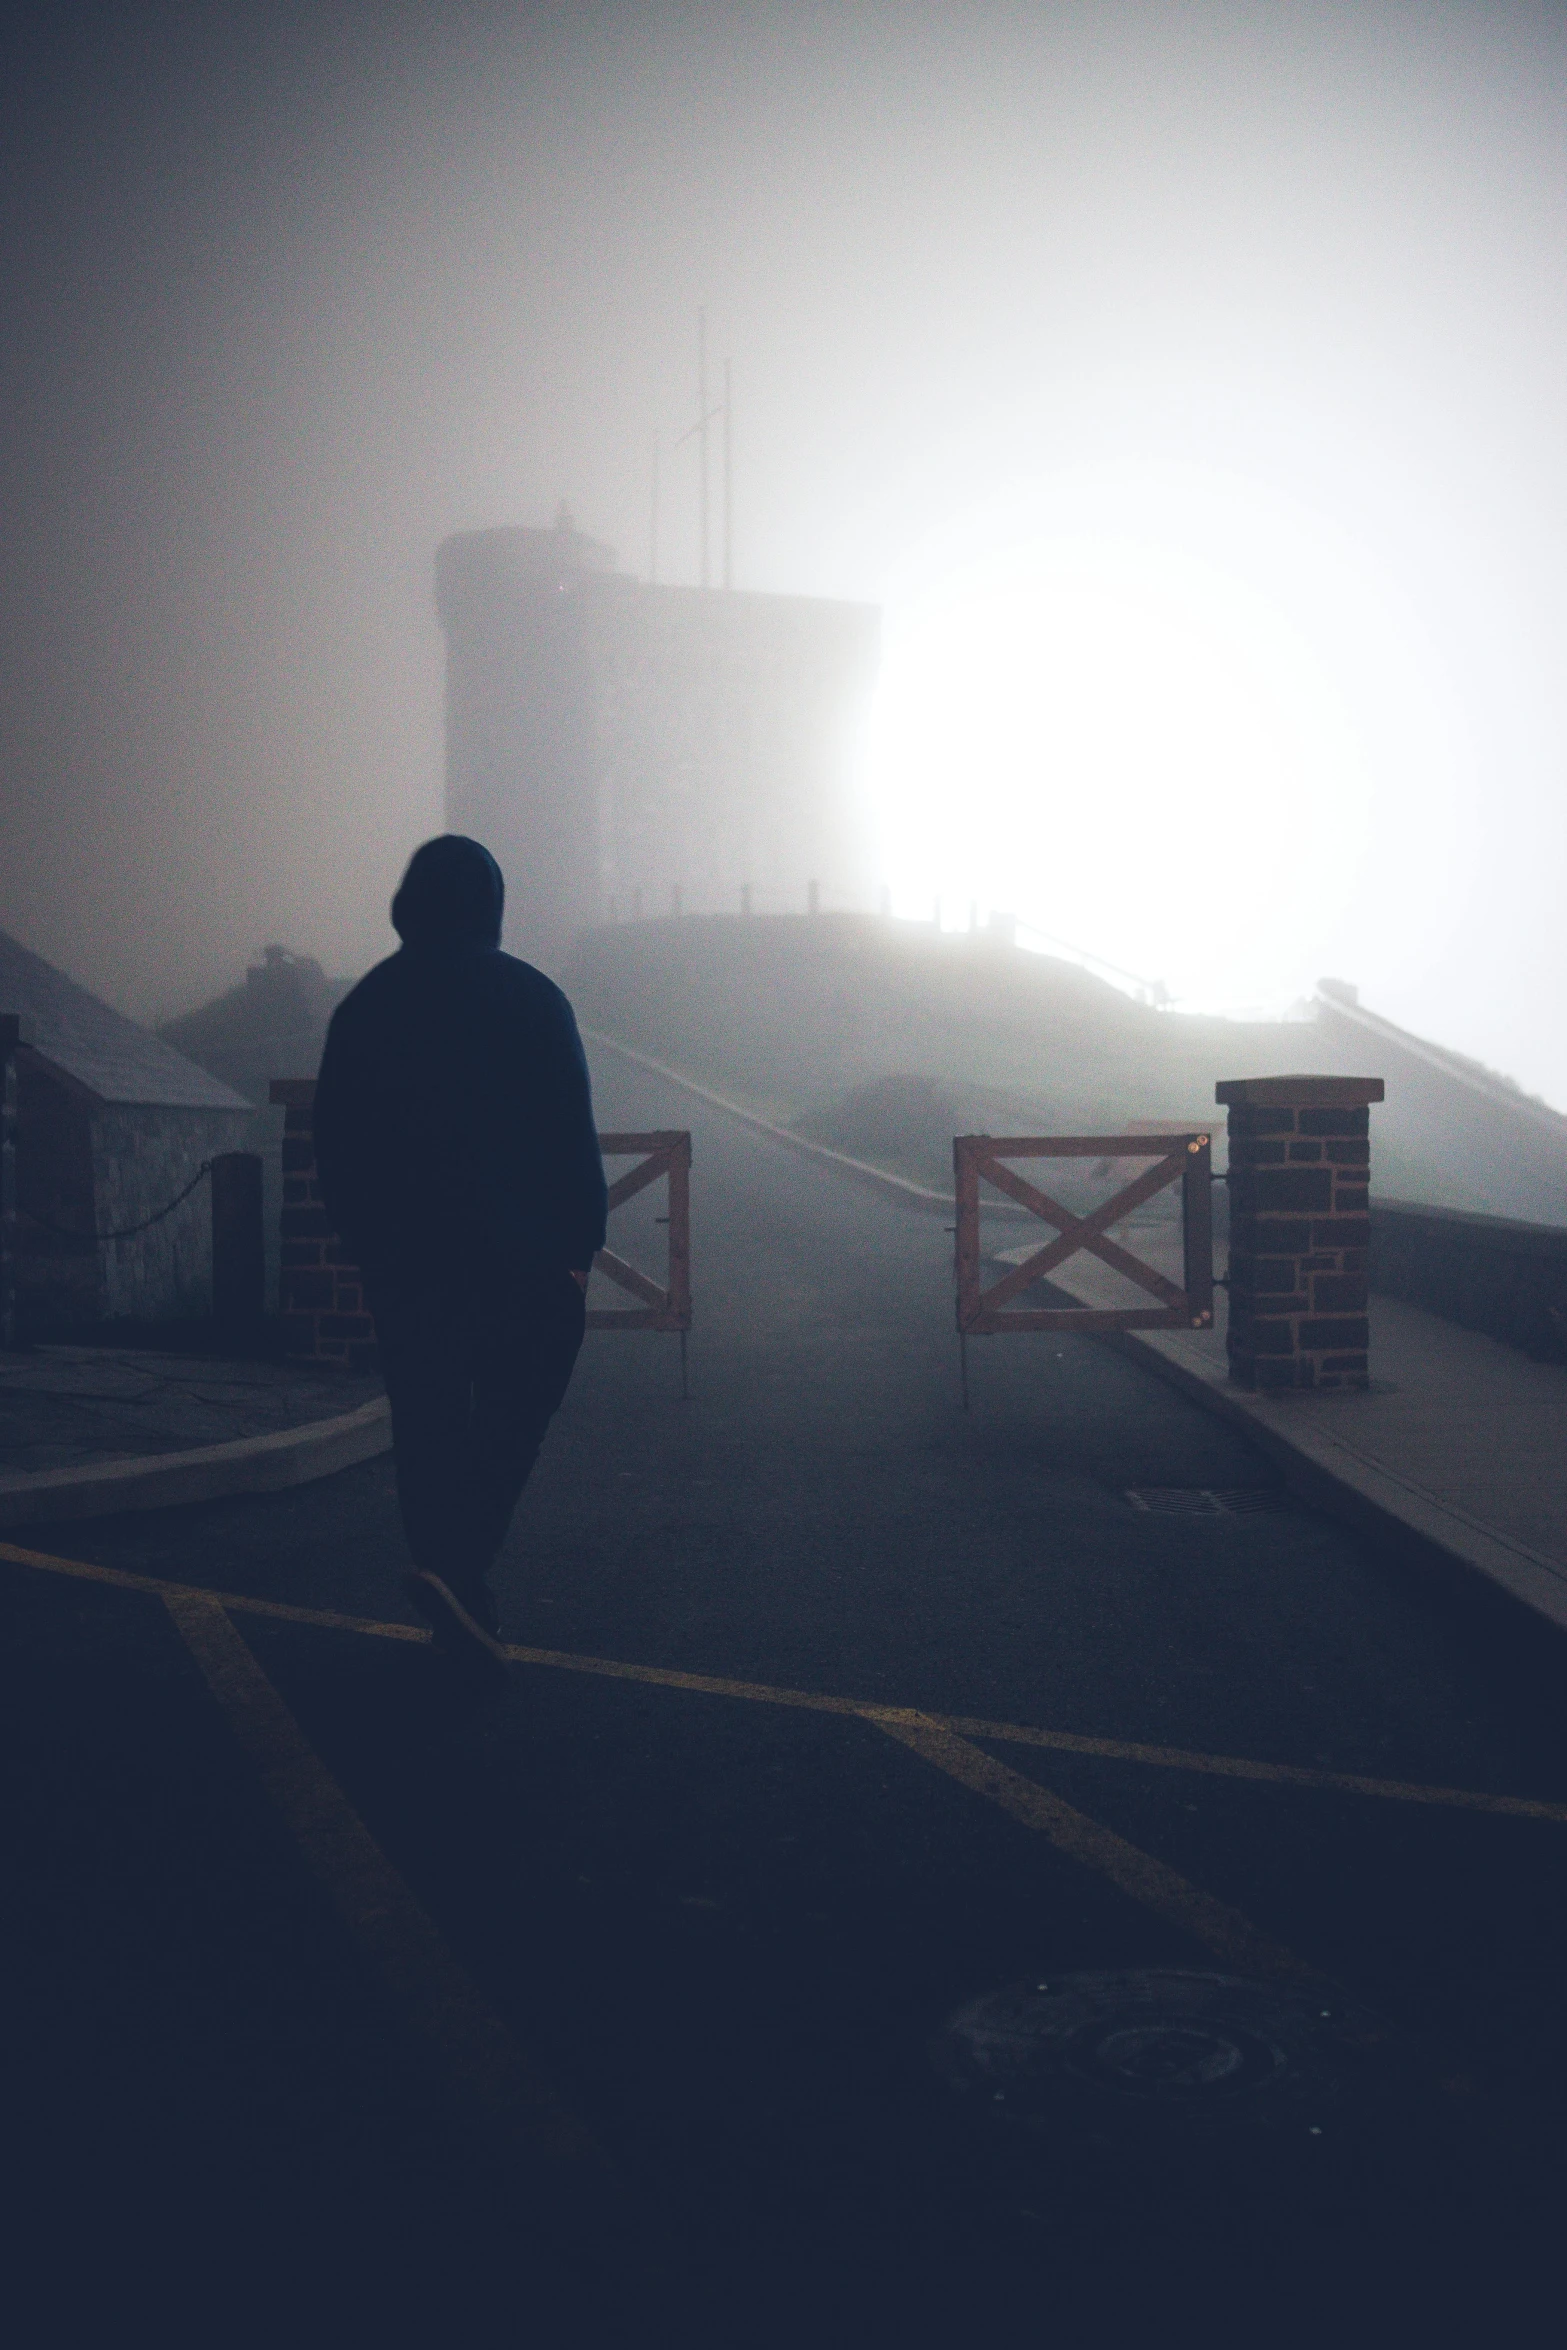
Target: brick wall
pixel 320 1292
pixel 1300 1229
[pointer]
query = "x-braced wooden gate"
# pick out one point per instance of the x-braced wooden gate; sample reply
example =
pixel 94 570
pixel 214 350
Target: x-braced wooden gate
pixel 1182 1159
pixel 664 1152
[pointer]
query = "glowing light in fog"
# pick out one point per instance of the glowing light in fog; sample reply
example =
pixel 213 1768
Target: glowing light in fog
pixel 1130 710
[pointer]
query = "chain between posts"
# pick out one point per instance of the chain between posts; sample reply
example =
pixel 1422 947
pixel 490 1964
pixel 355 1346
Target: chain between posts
pixel 125 1231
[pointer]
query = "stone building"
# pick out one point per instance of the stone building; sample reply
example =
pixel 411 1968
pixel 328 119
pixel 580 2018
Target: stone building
pixel 111 1124
pixel 628 749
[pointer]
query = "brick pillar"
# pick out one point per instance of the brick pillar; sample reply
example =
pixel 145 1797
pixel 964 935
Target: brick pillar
pixel 1300 1227
pixel 323 1301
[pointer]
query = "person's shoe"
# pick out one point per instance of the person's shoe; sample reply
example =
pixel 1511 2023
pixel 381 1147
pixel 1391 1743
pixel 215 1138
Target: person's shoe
pixel 458 1633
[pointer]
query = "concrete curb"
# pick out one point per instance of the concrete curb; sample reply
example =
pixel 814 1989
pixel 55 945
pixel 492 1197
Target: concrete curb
pixel 1325 1469
pixel 208 1472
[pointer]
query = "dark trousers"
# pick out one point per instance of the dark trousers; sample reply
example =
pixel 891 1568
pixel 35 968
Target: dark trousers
pixel 475 1370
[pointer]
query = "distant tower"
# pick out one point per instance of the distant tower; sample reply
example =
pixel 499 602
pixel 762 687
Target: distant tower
pixel 614 741
pixel 519 719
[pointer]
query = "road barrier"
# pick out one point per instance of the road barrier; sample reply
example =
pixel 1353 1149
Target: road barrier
pixel 663 1152
pixel 326 1317
pixel 1184 1159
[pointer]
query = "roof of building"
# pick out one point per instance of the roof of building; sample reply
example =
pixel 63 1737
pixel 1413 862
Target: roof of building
pixel 99 1047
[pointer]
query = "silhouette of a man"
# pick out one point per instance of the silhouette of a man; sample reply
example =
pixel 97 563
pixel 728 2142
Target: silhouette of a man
pixel 460 1166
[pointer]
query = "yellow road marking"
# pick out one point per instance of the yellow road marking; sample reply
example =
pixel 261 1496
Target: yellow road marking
pixel 160 1587
pixel 1231 1937
pixel 429 1990
pixel 1235 1766
pixel 426 1981
pixel 1169 1758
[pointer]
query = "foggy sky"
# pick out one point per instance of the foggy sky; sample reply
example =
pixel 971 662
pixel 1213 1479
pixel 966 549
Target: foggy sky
pixel 293 291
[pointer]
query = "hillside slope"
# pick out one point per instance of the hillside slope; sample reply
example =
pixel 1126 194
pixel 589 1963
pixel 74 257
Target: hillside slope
pixel 808 1019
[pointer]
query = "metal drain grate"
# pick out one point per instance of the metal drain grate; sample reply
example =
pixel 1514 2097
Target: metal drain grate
pixel 1207 1501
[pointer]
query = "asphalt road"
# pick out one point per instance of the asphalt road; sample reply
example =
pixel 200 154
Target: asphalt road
pixel 344 2005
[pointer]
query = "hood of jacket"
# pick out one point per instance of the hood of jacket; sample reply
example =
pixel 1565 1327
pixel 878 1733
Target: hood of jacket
pixel 451 895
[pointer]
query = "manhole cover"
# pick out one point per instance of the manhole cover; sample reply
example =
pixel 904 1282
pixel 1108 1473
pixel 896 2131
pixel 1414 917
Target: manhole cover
pixel 1207 1501
pixel 1156 2051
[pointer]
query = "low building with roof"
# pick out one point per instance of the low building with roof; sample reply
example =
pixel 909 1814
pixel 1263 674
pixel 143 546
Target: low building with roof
pixel 112 1124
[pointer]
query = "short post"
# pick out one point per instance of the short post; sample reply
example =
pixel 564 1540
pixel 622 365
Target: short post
pixel 238 1247
pixel 1300 1229
pixel 10 1037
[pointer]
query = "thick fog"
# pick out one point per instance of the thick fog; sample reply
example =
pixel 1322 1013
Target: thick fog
pixel 1187 384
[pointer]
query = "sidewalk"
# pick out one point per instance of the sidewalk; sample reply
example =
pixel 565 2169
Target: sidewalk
pixel 87 1430
pixel 1461 1442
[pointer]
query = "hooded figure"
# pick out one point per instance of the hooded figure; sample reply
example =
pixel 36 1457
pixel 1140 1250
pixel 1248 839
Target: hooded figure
pixel 459 1164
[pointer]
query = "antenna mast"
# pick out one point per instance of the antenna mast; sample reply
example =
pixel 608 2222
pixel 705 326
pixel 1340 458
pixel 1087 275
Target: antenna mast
pixel 702 425
pixel 729 536
pixel 698 432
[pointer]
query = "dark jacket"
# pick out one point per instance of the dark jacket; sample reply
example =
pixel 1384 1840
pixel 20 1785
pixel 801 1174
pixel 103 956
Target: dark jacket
pixel 453 1120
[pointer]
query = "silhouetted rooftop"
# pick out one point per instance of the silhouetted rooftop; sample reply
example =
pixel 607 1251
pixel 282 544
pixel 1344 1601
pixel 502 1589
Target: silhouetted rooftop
pixel 99 1047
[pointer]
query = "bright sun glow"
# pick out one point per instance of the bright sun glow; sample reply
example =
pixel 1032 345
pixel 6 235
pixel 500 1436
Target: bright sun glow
pixel 1125 710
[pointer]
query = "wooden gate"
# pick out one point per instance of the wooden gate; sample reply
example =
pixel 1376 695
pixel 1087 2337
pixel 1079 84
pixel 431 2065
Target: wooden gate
pixel 664 1152
pixel 1182 1159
